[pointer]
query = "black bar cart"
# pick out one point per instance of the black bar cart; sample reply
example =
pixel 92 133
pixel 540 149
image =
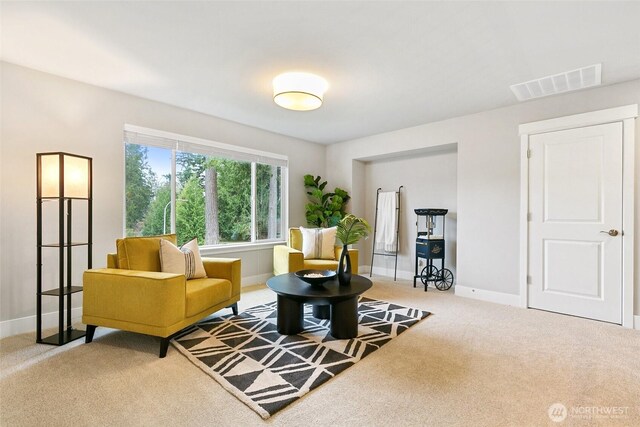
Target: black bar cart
pixel 431 246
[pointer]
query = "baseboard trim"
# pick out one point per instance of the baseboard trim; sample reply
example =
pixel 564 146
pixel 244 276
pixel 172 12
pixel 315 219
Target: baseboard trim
pixel 489 296
pixel 255 280
pixel 636 322
pixel 386 272
pixel 27 324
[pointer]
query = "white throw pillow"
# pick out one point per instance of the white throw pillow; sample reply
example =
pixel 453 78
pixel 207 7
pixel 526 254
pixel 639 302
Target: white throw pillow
pixel 185 260
pixel 318 243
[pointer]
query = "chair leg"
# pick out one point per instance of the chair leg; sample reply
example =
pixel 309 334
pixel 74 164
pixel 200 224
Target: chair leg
pixel 89 335
pixel 234 308
pixel 164 346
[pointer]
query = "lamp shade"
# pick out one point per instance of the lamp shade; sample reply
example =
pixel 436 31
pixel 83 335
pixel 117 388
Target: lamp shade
pixel 63 175
pixel 299 91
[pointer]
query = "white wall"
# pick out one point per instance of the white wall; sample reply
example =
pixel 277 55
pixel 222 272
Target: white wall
pixel 488 177
pixel 429 181
pixel 42 112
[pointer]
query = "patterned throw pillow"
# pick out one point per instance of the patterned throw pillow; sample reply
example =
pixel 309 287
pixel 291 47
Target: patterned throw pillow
pixel 318 243
pixel 185 260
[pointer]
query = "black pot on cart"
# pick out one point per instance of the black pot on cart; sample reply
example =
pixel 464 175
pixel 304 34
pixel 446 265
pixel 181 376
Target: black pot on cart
pixel 431 246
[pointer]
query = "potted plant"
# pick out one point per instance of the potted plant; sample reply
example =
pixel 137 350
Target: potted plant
pixel 324 209
pixel 350 230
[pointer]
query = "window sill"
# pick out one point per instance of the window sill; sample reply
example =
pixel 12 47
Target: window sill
pixel 239 247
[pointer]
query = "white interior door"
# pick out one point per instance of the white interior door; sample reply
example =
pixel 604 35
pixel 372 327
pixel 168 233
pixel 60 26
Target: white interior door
pixel 575 202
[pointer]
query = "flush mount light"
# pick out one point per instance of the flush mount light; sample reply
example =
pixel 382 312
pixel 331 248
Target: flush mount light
pixel 299 91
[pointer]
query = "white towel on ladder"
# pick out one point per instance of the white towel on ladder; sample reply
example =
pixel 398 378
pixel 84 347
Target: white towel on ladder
pixel 387 222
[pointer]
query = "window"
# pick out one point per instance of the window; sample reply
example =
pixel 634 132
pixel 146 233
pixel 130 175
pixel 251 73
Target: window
pixel 214 192
pixel 147 190
pixel 268 196
pixel 214 199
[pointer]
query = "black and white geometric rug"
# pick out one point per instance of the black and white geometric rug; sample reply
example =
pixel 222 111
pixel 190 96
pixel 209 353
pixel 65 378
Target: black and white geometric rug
pixel 268 371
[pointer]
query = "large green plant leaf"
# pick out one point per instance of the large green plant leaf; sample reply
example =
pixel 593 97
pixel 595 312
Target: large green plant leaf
pixel 351 229
pixel 317 193
pixel 340 192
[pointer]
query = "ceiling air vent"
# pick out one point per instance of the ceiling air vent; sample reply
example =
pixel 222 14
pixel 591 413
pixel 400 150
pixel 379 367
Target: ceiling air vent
pixel 564 82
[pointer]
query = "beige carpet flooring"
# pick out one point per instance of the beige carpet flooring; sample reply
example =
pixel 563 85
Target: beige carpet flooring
pixel 471 363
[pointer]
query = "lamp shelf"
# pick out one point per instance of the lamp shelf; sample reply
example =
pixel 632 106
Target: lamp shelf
pixel 54 198
pixel 65 291
pixel 67 336
pixel 64 245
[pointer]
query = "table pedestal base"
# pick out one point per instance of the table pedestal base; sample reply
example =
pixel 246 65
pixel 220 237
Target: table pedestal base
pixel 290 316
pixel 343 315
pixel 322 311
pixel 344 319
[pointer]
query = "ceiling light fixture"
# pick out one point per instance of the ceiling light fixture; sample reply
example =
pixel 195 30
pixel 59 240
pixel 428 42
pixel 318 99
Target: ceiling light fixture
pixel 299 91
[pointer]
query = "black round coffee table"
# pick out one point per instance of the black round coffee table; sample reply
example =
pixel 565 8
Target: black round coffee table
pixel 330 301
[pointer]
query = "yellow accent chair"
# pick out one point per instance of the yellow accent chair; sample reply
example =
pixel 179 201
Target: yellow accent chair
pixel 133 295
pixel 288 258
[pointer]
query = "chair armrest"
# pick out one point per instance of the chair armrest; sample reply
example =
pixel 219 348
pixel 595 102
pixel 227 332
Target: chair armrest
pixel 145 297
pixel 286 260
pixel 225 268
pixel 353 254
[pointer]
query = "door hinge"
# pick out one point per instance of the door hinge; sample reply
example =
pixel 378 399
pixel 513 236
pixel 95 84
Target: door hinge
pixel 528 280
pixel 528 154
pixel 529 216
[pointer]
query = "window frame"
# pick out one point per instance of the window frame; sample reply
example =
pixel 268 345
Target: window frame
pixel 180 143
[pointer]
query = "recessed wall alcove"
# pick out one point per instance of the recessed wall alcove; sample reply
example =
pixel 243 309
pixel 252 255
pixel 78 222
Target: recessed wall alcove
pixel 429 179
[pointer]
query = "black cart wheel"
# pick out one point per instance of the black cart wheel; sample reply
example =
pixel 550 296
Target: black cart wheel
pixel 445 279
pixel 429 274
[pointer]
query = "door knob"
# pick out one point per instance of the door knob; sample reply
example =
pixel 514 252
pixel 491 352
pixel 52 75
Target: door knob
pixel 611 232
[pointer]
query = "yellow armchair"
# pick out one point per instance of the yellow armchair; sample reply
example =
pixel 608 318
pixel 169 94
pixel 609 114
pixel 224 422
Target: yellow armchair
pixel 288 258
pixel 150 302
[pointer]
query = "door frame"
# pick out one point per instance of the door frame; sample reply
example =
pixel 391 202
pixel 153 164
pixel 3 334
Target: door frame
pixel 627 116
